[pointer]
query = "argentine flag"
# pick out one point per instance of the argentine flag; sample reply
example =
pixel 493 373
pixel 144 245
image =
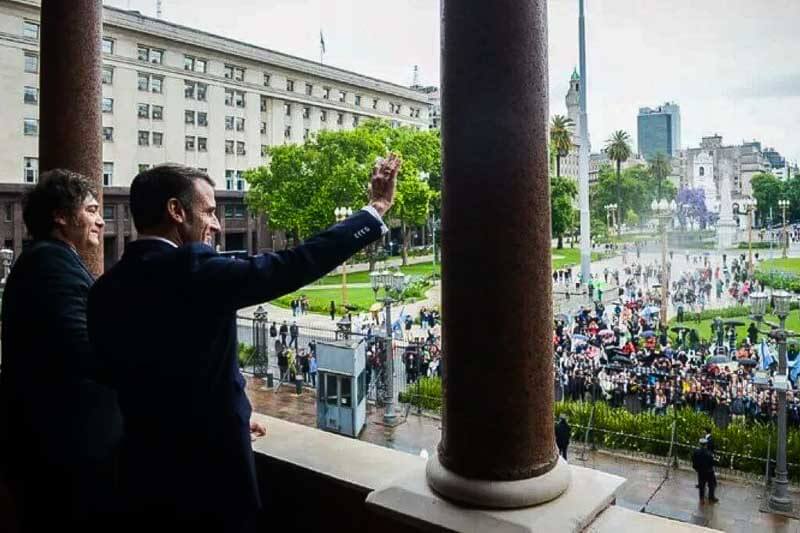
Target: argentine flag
pixel 766 356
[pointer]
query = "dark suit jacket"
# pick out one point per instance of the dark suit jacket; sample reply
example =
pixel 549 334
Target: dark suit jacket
pixel 59 422
pixel 163 323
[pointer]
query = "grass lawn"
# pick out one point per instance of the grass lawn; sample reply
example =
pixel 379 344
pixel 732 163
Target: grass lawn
pixel 561 258
pixel 789 265
pixel 320 300
pixel 703 327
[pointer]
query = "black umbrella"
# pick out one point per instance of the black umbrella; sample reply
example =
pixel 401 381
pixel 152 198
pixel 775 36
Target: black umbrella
pixel 732 322
pixel 678 329
pixel 748 362
pixel 621 359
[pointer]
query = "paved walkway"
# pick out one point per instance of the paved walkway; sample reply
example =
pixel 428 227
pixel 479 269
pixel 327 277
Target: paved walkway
pixel 645 489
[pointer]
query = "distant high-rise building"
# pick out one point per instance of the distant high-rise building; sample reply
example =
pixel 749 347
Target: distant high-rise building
pixel 659 130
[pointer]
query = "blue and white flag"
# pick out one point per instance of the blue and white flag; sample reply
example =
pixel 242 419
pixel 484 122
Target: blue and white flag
pixel 766 356
pixel 794 369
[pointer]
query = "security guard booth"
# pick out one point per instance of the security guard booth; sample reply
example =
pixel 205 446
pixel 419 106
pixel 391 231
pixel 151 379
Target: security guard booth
pixel 341 378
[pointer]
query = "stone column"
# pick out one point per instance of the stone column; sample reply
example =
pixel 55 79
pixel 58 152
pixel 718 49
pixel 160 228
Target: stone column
pixel 498 446
pixel 70 94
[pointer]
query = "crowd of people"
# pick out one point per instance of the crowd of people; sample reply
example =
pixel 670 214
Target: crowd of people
pixel 624 355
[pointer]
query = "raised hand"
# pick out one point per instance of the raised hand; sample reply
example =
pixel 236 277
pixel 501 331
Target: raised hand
pixel 383 182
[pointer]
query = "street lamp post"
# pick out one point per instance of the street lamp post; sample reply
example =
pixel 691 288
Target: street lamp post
pixel 784 205
pixel 611 212
pixel 342 213
pixel 779 499
pixel 664 211
pixel 748 207
pixel 390 282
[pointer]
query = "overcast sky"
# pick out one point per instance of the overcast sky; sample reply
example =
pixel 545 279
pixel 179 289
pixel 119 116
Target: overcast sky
pixel 732 65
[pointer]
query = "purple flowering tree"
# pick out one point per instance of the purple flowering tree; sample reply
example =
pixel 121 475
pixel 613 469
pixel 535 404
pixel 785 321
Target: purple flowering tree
pixel 692 207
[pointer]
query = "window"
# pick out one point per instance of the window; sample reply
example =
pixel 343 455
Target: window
pixel 326 93
pixel 306 112
pixel 150 82
pixel 202 90
pixel 144 138
pixel 358 100
pixel 189 88
pixel 263 127
pixel 202 119
pixel 229 97
pixel 239 210
pixel 30 170
pixel 229 123
pixel 158 112
pixel 9 214
pixel 228 147
pixel 306 134
pixel 267 78
pixel 264 150
pixel 362 386
pixel 194 64
pixel 108 134
pixel 202 144
pixel 108 174
pixel 239 124
pixel 31 95
pixel 108 212
pixel 229 176
pixel 287 110
pixel 190 140
pixel 342 96
pixel 151 55
pixel 143 167
pixel 702 171
pixel 374 103
pixel 32 62
pixel 356 119
pixel 233 178
pixel 240 148
pixel 108 75
pixel 189 117
pixel 234 73
pixel 309 89
pixel 158 138
pixel 30 29
pixel 340 118
pixel 323 116
pixel 238 98
pixel 290 85
pixel 31 126
pixel 108 105
pixel 108 45
pixel 287 132
pixel 263 104
pixel 397 109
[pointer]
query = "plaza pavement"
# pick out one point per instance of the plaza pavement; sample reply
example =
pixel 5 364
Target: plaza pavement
pixel 645 490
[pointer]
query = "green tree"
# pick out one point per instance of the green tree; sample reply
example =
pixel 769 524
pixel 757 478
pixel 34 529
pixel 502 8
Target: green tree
pixel 660 168
pixel 618 149
pixel 767 190
pixel 561 138
pixel 562 213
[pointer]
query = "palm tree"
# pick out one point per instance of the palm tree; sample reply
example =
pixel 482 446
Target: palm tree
pixel 618 149
pixel 561 138
pixel 660 168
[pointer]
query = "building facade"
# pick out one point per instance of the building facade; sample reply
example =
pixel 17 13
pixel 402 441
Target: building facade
pixel 659 130
pixel 172 93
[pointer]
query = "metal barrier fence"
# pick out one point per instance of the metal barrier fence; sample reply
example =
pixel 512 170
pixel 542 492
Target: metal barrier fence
pixel 255 333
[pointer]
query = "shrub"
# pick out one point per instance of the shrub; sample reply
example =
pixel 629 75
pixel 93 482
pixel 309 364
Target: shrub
pixel 779 280
pixel 245 354
pixel 425 393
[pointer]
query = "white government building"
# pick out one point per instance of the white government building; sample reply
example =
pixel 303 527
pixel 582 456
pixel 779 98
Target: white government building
pixel 172 93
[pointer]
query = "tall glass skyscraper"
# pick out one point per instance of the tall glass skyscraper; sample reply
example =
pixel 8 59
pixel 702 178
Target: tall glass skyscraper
pixel 659 130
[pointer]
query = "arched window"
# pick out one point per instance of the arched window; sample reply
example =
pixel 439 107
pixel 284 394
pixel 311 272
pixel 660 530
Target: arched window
pixel 702 171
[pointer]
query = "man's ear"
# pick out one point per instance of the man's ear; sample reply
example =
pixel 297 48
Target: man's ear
pixel 175 211
pixel 61 218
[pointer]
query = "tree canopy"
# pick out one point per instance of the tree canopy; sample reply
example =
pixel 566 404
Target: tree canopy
pixel 302 184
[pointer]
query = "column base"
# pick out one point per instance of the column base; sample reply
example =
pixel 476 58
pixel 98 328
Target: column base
pixel 498 494
pixel 409 501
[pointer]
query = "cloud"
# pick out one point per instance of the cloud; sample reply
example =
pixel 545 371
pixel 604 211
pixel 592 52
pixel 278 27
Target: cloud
pixel 780 86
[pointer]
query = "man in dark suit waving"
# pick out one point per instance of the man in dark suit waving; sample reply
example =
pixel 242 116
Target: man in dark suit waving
pixel 60 427
pixel 163 322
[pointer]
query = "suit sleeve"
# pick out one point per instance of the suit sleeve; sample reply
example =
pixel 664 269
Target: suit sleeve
pixel 238 283
pixel 63 290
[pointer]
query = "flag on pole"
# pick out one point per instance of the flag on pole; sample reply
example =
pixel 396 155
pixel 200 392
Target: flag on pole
pixel 321 42
pixel 766 356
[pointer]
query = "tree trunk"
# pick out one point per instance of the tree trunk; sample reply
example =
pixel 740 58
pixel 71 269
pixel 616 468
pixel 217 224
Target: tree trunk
pixel 558 166
pixel 372 254
pixel 404 233
pixel 620 210
pixel 560 241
